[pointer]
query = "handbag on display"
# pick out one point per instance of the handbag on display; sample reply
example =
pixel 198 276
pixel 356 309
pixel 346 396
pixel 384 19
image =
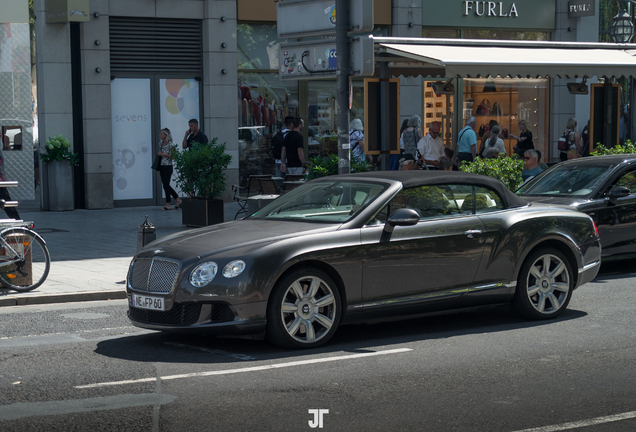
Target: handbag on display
pixel 483 129
pixel 495 109
pixel 156 164
pixel 483 107
pixel 504 133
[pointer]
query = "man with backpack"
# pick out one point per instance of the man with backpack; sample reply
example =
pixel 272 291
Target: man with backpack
pixel 277 144
pixel 293 152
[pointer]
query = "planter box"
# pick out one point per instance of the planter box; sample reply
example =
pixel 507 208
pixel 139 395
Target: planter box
pixel 198 212
pixel 60 185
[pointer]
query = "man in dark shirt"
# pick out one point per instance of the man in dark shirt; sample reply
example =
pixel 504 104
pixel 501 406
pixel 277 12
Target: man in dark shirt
pixel 194 134
pixel 293 151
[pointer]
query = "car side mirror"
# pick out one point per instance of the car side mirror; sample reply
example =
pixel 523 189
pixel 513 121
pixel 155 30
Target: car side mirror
pixel 618 192
pixel 402 217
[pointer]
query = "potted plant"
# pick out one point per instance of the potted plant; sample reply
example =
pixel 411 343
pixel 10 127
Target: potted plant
pixel 201 175
pixel 59 160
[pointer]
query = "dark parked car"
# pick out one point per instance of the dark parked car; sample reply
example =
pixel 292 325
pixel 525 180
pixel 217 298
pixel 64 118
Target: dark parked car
pixel 604 187
pixel 360 247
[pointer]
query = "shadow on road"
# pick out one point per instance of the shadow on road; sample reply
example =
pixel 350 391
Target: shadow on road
pixel 205 349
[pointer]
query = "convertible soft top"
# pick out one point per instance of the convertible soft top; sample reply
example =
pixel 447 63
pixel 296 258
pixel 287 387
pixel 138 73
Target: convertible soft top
pixel 416 178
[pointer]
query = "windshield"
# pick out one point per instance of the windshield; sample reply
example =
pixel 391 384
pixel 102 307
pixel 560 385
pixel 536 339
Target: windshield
pixel 324 202
pixel 567 180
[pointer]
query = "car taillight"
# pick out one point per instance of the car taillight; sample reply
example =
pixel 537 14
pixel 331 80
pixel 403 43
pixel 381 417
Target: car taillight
pixel 596 229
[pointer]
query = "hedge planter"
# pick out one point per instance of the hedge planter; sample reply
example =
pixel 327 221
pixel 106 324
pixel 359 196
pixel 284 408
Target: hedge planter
pixel 60 185
pixel 199 212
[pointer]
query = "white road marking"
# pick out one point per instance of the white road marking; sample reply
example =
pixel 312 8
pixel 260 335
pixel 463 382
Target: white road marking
pixel 212 351
pixel 583 423
pixel 20 410
pixel 248 369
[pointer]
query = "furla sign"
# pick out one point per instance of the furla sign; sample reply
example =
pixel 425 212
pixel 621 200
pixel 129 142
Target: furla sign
pixel 517 15
pixel 491 9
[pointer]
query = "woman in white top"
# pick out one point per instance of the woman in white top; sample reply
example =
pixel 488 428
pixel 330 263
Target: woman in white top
pixel 494 145
pixel 165 169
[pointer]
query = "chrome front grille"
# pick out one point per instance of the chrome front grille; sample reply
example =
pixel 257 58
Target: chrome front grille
pixel 153 275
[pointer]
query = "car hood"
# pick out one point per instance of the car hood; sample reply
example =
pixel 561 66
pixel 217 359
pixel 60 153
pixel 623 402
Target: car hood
pixel 565 201
pixel 236 234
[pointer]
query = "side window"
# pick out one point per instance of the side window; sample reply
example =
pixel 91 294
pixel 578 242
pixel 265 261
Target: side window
pixel 430 202
pixel 628 180
pixel 487 200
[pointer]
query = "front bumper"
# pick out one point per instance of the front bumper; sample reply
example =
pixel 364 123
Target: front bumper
pixel 209 317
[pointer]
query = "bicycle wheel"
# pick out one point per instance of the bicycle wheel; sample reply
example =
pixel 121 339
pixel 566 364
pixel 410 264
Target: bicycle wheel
pixel 24 259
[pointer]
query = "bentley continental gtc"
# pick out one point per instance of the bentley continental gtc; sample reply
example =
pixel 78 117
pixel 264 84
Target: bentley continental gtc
pixel 365 247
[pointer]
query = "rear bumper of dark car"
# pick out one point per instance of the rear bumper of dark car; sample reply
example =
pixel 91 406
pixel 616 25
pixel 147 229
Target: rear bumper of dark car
pixel 588 272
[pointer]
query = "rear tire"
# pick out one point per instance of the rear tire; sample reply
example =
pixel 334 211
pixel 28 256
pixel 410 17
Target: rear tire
pixel 304 310
pixel 544 286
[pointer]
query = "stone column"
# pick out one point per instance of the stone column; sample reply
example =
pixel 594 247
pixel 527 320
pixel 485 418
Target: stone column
pixel 96 109
pixel 407 22
pixel 220 80
pixel 53 63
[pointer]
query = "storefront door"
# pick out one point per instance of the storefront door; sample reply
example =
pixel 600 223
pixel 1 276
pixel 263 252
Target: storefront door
pixel 140 108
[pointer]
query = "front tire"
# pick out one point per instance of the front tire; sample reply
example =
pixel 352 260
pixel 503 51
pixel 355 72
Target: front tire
pixel 544 286
pixel 304 310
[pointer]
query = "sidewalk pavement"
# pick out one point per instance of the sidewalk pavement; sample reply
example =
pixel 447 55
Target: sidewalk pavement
pixel 91 251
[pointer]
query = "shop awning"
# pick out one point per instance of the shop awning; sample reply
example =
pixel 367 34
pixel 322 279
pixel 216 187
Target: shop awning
pixel 482 58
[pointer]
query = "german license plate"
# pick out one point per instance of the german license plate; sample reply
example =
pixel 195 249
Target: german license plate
pixel 147 302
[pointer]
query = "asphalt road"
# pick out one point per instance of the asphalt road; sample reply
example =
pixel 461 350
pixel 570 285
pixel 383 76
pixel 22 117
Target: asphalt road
pixel 82 367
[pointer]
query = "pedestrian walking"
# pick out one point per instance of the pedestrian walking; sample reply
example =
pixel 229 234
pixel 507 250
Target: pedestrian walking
pixel 165 169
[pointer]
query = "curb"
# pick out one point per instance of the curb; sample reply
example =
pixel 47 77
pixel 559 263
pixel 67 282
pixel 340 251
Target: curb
pixel 61 298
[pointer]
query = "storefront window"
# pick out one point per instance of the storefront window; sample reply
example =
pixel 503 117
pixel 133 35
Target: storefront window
pixel 505 34
pixel 440 33
pixel 491 34
pixel 438 108
pixel 508 101
pixel 263 103
pixel 323 115
pixel 258 46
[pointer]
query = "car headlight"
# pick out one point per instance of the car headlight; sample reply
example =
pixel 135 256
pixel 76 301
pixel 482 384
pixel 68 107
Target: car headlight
pixel 233 269
pixel 203 274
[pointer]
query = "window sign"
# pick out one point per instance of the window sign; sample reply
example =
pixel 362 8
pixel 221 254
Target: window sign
pixel 179 102
pixel 132 132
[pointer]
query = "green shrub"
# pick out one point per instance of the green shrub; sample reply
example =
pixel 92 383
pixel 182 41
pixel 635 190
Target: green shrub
pixel 506 169
pixel 58 148
pixel 201 169
pixel 328 165
pixel 627 148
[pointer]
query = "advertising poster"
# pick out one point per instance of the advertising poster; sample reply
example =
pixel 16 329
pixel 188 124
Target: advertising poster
pixel 132 133
pixel 179 102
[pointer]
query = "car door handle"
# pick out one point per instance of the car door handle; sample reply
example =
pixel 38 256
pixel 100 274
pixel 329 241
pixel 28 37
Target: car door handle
pixel 470 233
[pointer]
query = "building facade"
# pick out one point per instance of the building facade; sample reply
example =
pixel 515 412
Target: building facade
pixel 130 68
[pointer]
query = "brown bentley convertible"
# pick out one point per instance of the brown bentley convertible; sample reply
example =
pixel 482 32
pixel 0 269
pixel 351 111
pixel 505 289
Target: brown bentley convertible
pixel 358 247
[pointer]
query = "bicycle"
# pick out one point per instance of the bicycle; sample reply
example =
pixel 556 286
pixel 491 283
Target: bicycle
pixel 24 258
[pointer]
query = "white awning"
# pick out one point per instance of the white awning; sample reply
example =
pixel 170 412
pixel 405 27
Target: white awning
pixel 472 58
